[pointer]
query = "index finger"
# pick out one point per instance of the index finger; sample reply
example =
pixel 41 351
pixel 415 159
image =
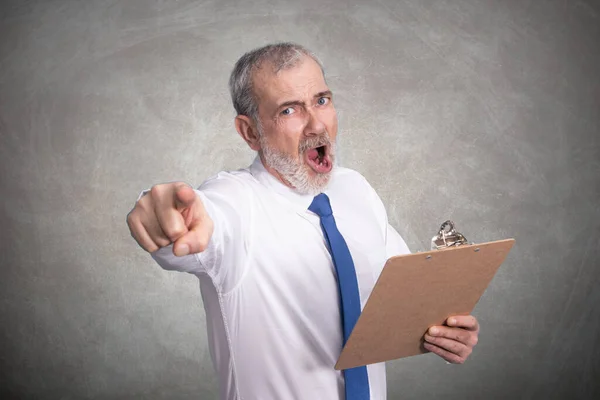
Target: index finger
pixel 468 322
pixel 184 196
pixel 168 212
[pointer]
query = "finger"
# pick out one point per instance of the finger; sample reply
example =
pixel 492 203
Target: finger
pixel 138 232
pixel 169 217
pixel 195 212
pixel 458 334
pixel 184 196
pixel 197 239
pixel 199 225
pixel 452 346
pixel 468 322
pixel 446 355
pixel 155 232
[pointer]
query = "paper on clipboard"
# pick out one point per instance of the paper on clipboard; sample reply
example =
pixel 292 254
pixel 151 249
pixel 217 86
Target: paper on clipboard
pixel 416 291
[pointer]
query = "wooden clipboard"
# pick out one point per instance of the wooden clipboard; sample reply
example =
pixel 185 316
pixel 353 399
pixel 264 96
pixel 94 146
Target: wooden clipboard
pixel 415 292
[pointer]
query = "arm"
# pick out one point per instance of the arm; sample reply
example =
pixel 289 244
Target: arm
pixel 213 221
pixel 394 244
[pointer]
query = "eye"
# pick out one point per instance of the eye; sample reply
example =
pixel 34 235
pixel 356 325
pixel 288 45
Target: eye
pixel 322 101
pixel 287 111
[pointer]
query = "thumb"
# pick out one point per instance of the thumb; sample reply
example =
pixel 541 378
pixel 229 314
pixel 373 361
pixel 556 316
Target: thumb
pixel 198 222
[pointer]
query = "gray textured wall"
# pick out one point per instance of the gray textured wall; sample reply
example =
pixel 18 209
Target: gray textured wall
pixel 486 112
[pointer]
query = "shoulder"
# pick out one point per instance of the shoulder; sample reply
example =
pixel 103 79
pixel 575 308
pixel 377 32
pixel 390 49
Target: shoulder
pixel 228 183
pixel 353 186
pixel 228 193
pixel 346 179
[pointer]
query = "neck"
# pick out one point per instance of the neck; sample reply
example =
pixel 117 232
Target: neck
pixel 274 172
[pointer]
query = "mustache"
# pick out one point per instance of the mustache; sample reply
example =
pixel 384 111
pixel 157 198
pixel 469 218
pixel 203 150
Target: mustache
pixel 311 143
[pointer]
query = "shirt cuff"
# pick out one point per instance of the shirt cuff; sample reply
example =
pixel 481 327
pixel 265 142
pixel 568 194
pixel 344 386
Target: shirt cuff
pixel 142 194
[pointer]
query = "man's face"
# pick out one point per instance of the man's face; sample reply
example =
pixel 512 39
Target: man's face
pixel 298 125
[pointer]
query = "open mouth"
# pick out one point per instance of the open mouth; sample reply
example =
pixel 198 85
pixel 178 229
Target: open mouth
pixel 319 159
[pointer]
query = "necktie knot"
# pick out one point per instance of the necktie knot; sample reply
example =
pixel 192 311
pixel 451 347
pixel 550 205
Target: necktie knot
pixel 321 206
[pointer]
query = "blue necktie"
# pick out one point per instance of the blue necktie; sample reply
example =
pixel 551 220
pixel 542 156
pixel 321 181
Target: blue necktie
pixel 357 380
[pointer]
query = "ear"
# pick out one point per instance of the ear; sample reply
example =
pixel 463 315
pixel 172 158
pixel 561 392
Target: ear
pixel 247 130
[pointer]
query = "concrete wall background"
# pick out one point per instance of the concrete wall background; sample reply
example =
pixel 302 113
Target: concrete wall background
pixel 485 112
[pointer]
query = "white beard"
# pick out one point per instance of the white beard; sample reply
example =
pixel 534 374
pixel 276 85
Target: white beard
pixel 295 170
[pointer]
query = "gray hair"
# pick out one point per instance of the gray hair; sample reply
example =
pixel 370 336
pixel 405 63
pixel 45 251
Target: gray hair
pixel 280 55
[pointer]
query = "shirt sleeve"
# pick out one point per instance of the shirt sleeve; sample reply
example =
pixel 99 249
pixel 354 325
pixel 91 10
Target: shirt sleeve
pixel 394 244
pixel 170 262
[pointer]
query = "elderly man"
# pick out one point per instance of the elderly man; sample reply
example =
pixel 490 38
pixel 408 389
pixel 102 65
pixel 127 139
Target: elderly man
pixel 287 250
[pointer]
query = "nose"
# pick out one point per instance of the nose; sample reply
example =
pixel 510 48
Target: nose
pixel 314 125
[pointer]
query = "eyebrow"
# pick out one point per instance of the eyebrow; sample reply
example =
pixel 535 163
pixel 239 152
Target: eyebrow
pixel 301 103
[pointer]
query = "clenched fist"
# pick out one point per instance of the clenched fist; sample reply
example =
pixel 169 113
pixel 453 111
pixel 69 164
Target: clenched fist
pixel 171 213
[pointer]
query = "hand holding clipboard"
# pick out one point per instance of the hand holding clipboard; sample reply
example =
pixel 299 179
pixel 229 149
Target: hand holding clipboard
pixel 418 291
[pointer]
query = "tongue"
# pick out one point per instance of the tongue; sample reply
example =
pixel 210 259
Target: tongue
pixel 320 166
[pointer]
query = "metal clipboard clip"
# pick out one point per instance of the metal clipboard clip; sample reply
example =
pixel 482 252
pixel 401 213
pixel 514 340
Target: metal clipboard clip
pixel 447 237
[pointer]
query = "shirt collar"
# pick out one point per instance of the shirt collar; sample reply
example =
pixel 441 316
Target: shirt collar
pixel 260 173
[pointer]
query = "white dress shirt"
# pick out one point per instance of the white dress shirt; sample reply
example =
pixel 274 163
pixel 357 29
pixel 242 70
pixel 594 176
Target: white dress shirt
pixel 269 284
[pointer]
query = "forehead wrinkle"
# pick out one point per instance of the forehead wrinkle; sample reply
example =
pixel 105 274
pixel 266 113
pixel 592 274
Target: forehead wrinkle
pixel 300 91
pixel 289 90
